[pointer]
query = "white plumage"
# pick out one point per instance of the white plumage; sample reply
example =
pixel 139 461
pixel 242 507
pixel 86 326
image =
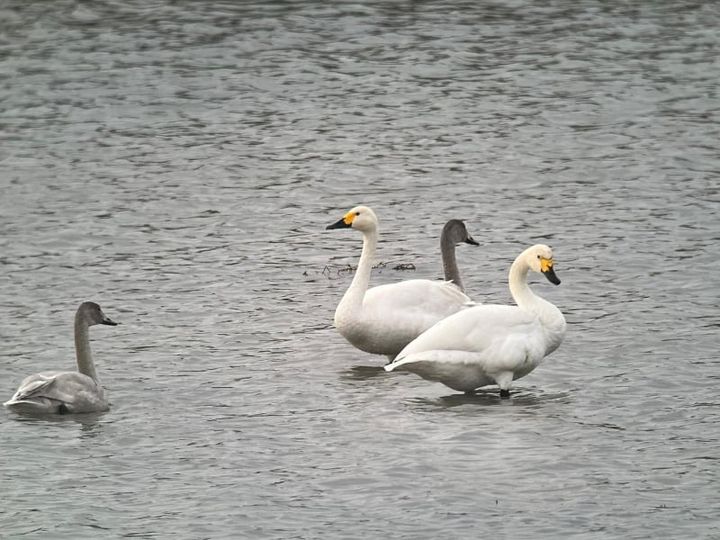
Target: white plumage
pixel 384 319
pixel 491 344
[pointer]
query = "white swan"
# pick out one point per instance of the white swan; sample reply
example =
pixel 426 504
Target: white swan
pixel 491 344
pixel 384 319
pixel 64 392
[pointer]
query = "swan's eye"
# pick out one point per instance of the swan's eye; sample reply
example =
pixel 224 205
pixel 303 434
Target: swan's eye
pixel 357 213
pixel 538 256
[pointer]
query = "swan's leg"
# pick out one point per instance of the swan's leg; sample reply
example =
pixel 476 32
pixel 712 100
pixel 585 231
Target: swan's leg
pixel 504 380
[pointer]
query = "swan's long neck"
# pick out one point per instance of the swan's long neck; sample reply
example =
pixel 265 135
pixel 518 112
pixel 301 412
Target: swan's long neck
pixel 83 355
pixel 353 298
pixel 519 288
pixel 549 315
pixel 450 267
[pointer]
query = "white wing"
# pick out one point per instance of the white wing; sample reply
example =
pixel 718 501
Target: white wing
pixel 475 347
pixel 475 329
pixel 414 304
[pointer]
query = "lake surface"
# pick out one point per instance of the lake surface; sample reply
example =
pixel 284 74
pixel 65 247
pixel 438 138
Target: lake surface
pixel 177 162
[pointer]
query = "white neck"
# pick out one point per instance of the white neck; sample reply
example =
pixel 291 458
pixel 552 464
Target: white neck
pixel 83 355
pixel 353 298
pixel 550 316
pixel 450 268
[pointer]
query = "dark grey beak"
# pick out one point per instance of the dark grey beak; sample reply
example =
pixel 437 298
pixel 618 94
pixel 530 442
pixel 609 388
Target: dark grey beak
pixel 108 321
pixel 470 240
pixel 340 224
pixel 550 275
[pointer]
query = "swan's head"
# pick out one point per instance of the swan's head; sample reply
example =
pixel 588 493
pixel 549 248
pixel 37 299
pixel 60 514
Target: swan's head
pixel 540 259
pixel 361 218
pixel 93 314
pixel 455 232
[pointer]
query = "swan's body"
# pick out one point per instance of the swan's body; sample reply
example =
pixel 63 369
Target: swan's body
pixel 384 319
pixel 491 344
pixel 62 392
pixel 392 315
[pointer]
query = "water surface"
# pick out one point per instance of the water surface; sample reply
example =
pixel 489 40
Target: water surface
pixel 178 163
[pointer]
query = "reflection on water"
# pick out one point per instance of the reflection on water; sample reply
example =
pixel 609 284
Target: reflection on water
pixel 89 423
pixel 533 398
pixel 530 399
pixel 178 162
pixel 364 373
pixel 48 435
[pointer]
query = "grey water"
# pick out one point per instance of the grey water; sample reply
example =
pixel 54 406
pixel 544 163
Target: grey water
pixel 177 162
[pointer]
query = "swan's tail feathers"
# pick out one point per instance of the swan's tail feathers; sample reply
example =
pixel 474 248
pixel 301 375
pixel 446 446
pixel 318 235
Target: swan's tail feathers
pixel 33 406
pixel 29 398
pixel 398 363
pixel 32 389
pixel 390 366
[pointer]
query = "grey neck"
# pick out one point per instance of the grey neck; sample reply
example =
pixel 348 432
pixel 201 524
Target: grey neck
pixel 83 354
pixel 450 267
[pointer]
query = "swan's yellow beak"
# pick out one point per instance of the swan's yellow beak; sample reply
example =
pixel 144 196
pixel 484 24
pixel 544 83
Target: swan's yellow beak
pixel 349 218
pixel 343 223
pixel 546 267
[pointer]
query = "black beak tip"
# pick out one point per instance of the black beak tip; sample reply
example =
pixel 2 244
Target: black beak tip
pixel 470 240
pixel 110 322
pixel 339 224
pixel 551 277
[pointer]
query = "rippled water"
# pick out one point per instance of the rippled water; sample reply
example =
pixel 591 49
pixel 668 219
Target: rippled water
pixel 177 162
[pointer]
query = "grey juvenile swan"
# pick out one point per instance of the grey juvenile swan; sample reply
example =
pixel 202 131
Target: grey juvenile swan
pixel 62 392
pixel 454 232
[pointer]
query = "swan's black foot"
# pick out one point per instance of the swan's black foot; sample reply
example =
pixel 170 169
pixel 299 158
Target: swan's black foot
pixel 504 393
